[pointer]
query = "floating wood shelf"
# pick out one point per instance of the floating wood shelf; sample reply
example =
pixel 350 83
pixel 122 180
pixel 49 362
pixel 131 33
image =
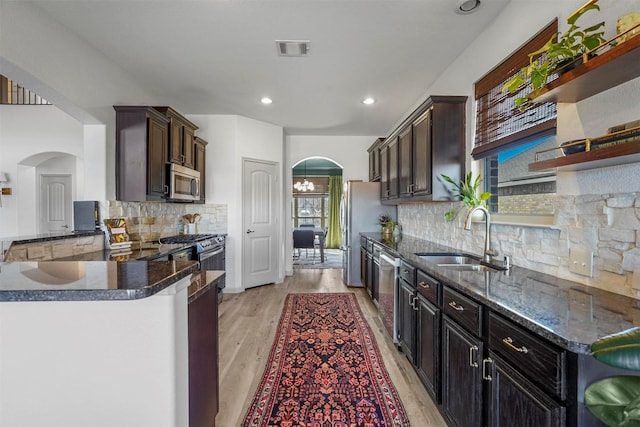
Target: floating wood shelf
pixel 609 69
pixel 602 157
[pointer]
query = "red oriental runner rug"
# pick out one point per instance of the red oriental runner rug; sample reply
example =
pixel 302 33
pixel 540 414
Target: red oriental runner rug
pixel 325 370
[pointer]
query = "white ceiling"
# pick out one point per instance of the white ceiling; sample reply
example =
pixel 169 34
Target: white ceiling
pixel 220 57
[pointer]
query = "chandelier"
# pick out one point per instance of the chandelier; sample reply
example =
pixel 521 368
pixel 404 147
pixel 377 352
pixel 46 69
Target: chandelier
pixel 305 185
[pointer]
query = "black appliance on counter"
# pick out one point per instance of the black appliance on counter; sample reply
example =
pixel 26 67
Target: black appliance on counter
pixel 86 215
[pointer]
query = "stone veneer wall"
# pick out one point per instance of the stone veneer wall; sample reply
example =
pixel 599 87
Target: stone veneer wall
pixel 53 249
pixel 606 224
pixel 169 222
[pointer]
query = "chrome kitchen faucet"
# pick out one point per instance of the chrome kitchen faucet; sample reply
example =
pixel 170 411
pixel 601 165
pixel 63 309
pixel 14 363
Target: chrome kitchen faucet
pixel 488 252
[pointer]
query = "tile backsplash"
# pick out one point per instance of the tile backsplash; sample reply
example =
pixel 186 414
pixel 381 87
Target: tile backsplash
pixel 168 216
pixel 607 224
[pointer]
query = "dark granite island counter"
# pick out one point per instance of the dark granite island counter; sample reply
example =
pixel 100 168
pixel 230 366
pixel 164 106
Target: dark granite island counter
pixel 94 343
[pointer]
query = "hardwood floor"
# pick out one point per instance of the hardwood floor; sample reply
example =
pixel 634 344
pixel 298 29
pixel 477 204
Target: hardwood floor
pixel 247 327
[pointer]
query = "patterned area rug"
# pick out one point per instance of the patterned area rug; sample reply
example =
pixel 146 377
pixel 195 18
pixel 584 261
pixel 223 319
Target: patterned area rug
pixel 325 370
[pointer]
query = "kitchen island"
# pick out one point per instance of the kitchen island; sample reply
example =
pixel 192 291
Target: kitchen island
pixel 96 343
pixel 500 346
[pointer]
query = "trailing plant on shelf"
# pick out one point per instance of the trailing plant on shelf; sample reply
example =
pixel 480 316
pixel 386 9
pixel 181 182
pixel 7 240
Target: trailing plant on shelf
pixel 467 191
pixel 561 50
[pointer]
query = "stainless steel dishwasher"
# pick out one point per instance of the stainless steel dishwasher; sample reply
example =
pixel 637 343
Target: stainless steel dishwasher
pixel 388 293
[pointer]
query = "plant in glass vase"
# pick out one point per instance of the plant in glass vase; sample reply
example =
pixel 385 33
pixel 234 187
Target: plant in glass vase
pixel 559 52
pixel 388 224
pixel 467 191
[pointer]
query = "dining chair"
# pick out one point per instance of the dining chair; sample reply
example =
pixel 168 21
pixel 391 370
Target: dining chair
pixel 304 239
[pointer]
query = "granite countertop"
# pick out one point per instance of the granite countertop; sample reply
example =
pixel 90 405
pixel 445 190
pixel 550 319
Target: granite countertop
pixel 135 254
pixel 569 314
pixel 45 237
pixel 89 281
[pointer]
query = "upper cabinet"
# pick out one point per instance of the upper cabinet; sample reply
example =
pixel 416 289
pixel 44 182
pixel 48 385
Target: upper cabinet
pixel 147 140
pixel 181 137
pixel 200 163
pixel 430 142
pixel 374 160
pixel 141 153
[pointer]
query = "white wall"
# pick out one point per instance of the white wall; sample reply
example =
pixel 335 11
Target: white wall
pixel 349 152
pixel 26 131
pixel 230 140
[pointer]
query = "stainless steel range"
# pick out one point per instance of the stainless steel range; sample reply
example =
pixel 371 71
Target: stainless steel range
pixel 207 249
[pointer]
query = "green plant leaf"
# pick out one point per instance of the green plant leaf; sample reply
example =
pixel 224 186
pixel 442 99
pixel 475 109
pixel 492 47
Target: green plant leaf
pixel 621 350
pixel 450 215
pixel 615 401
pixel 485 196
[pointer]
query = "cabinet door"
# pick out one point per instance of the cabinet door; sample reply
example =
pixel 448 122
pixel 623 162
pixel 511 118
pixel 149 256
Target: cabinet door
pixel 157 157
pixel 428 346
pixel 406 319
pixel 200 148
pixel 393 169
pixel 515 401
pixel 188 147
pixel 175 141
pixel 405 160
pixel 370 267
pixel 375 279
pixel 422 154
pixel 363 270
pixel 384 172
pixel 203 358
pixel 461 376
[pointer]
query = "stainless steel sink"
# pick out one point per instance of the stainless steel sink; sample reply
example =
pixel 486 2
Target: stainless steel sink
pixel 459 261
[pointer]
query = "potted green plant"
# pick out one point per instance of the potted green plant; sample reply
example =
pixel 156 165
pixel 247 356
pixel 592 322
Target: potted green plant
pixel 560 51
pixel 388 224
pixel 467 191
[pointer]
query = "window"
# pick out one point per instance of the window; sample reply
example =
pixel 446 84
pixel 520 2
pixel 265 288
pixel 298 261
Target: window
pixel 507 138
pixel 313 209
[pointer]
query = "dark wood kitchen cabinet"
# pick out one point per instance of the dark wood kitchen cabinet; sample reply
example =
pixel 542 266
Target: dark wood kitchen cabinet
pixel 429 143
pixel 181 138
pixel 141 153
pixel 527 377
pixel 428 318
pixel 384 172
pixel 462 355
pixel 374 160
pixel 203 351
pixel 406 310
pixel 200 164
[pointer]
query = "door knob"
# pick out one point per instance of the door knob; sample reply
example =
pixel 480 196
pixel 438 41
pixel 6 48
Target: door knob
pixel 250 231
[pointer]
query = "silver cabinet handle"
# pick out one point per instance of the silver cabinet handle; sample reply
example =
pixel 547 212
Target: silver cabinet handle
pixel 413 303
pixel 472 359
pixel 455 306
pixel 509 343
pixel 484 369
pixel 166 189
pixel 250 231
pixel 424 285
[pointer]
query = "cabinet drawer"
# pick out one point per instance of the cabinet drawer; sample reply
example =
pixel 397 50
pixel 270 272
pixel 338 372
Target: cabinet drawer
pixel 536 358
pixel 428 287
pixel 363 242
pixel 408 273
pixel 463 310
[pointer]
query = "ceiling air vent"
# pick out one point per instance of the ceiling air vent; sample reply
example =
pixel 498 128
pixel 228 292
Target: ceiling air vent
pixel 292 47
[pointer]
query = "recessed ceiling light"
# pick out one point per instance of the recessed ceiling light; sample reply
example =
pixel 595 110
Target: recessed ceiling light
pixel 467 6
pixel 368 101
pixel 266 100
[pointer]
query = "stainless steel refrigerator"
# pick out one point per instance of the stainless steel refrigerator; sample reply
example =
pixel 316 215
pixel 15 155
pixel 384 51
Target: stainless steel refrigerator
pixel 360 210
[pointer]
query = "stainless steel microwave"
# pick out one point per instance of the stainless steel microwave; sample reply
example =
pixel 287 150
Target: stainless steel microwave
pixel 184 183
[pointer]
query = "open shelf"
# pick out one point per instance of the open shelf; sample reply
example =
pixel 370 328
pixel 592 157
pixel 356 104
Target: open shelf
pixel 602 157
pixel 609 69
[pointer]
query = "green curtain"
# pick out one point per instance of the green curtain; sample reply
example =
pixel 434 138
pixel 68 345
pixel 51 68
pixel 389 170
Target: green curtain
pixel 334 236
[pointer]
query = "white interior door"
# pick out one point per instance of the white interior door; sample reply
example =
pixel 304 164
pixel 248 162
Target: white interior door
pixel 55 203
pixel 260 243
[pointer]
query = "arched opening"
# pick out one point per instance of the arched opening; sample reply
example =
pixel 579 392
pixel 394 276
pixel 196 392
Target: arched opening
pixel 317 190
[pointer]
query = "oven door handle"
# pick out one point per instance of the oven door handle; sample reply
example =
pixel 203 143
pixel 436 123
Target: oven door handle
pixel 206 255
